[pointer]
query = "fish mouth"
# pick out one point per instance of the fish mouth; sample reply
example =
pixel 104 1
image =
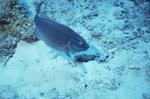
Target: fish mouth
pixel 87 46
pixel 84 48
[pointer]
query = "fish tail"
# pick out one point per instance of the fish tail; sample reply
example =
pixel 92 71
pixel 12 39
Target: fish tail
pixel 39 8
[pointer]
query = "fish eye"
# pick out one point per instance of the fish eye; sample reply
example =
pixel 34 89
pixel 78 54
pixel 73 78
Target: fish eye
pixel 80 43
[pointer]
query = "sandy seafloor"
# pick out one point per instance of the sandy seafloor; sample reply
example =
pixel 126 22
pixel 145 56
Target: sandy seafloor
pixel 32 73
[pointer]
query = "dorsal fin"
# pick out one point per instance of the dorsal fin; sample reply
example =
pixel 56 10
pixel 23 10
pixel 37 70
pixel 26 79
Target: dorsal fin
pixel 39 8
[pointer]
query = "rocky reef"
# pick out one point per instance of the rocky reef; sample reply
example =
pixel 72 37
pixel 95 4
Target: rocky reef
pixel 15 25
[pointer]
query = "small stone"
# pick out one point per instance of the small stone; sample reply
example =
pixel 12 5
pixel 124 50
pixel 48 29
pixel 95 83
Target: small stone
pixel 132 67
pixel 120 14
pixel 128 29
pixel 41 94
pixel 86 86
pixel 146 96
pixel 28 24
pixel 112 50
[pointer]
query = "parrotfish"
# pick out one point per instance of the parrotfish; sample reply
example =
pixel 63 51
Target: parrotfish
pixel 58 36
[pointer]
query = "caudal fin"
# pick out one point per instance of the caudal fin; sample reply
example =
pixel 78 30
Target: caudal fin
pixel 39 8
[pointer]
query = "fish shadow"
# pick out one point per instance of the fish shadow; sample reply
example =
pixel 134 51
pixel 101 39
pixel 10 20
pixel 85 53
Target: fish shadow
pixel 83 57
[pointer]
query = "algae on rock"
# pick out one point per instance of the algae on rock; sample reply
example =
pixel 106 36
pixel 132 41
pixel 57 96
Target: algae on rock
pixel 15 25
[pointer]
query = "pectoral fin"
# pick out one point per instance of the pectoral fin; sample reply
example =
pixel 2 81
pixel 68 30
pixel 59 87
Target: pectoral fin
pixel 56 55
pixel 67 52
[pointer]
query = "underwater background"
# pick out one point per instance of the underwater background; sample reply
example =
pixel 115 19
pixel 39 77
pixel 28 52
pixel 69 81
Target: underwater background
pixel 116 65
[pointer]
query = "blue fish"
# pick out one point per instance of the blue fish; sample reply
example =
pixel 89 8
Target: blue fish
pixel 58 36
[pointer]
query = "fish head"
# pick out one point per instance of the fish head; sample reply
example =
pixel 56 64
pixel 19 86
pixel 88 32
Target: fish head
pixel 77 45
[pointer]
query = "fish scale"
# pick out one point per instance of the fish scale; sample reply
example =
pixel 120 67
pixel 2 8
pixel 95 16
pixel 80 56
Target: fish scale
pixel 58 36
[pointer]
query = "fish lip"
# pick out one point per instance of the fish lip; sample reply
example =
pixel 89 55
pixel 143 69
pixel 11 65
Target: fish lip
pixel 85 48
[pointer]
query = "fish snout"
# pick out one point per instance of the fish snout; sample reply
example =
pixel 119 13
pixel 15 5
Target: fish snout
pixel 86 46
